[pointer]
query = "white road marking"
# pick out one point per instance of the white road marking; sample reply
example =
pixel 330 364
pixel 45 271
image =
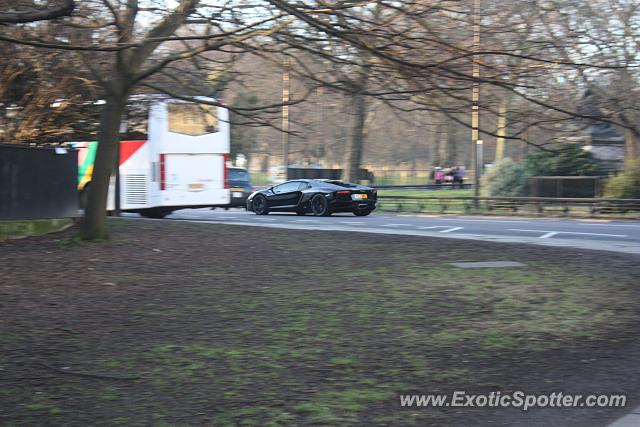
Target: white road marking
pixel 452 229
pixel 264 219
pixel 352 222
pixel 434 226
pixel 553 233
pixel 227 217
pixel 306 220
pixel 486 220
pixel 396 225
pixel 611 225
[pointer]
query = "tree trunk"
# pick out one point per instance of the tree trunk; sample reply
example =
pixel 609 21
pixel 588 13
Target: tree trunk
pixel 502 128
pixel 435 135
pixel 356 140
pixel 632 146
pixel 442 146
pixel 451 143
pixel 94 225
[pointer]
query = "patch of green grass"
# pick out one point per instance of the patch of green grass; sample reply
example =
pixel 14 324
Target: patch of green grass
pixel 340 406
pixel 318 413
pixel 36 227
pixel 343 361
pixel 43 404
pixel 110 394
pixel 119 421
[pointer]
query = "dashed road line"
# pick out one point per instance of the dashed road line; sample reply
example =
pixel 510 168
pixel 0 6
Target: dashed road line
pixel 521 221
pixel 611 225
pixel 546 233
pixel 449 230
pixel 396 225
pixel 351 222
pixel 549 234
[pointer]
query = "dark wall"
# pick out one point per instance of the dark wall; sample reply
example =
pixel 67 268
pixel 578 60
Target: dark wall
pixel 37 183
pixel 568 187
pixel 319 173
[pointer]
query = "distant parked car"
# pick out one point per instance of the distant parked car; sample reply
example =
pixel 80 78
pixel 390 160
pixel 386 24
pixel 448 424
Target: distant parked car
pixel 240 184
pixel 319 197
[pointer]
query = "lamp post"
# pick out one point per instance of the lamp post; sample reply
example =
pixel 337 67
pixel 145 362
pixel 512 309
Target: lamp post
pixel 476 142
pixel 285 117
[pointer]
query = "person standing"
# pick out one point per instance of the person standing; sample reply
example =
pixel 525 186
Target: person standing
pixel 458 177
pixel 438 176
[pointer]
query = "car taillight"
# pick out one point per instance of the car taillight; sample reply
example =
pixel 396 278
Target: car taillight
pixel 343 192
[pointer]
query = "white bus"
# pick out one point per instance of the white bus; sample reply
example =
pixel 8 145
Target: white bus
pixel 182 163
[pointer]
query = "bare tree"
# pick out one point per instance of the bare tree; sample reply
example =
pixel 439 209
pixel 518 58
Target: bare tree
pixel 415 56
pixel 22 12
pixel 123 44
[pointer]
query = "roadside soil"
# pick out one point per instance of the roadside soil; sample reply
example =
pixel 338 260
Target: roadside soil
pixel 174 323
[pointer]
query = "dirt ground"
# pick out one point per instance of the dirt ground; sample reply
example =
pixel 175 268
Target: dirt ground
pixel 173 323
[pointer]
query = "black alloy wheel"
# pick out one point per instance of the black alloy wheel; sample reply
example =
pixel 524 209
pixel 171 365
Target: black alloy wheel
pixel 320 205
pixel 259 205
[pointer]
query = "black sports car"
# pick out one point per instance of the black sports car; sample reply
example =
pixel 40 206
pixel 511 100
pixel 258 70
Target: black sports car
pixel 316 196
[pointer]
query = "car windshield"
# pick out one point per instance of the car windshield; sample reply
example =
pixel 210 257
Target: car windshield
pixel 238 175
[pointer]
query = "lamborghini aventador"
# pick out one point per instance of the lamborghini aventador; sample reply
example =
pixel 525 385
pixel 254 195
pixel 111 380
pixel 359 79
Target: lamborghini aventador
pixel 314 196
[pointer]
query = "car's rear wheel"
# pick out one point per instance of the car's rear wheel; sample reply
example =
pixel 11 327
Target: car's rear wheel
pixel 320 206
pixel 362 212
pixel 259 205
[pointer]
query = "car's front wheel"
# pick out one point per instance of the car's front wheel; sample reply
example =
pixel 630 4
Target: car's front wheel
pixel 320 206
pixel 362 212
pixel 259 205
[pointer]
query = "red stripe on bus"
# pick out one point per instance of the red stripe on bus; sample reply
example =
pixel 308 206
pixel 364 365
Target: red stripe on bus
pixel 225 159
pixel 162 173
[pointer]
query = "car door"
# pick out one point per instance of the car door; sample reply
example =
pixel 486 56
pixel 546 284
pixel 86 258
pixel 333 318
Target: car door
pixel 285 195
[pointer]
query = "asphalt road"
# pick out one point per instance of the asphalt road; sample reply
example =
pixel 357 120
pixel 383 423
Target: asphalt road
pixel 619 236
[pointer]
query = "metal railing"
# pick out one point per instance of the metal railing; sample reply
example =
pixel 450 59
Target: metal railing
pixel 425 187
pixel 566 207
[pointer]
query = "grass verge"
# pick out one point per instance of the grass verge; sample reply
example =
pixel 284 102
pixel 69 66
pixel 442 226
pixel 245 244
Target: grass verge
pixel 35 227
pixel 195 324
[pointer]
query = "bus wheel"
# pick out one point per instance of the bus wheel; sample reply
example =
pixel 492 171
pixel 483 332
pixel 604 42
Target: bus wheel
pixel 155 213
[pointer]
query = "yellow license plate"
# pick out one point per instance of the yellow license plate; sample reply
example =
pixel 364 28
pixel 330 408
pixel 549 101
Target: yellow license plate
pixel 196 187
pixel 237 189
pixel 359 196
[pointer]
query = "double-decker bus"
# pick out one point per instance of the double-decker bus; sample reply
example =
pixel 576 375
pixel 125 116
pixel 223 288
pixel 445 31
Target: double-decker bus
pixel 182 162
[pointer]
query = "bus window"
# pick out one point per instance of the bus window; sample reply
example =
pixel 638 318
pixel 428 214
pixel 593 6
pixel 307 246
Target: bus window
pixel 192 119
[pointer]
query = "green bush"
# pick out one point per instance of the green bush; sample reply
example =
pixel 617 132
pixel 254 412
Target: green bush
pixel 626 185
pixel 564 160
pixel 506 178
